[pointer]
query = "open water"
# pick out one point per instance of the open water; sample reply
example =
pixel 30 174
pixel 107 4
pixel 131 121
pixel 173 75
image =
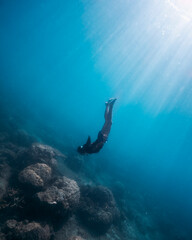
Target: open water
pixel 61 60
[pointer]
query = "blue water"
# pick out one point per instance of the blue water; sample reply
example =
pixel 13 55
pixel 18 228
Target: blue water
pixel 61 60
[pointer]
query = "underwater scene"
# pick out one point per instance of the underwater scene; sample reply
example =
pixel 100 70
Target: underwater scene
pixel 96 120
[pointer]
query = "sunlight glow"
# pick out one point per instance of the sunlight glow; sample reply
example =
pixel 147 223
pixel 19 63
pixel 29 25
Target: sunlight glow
pixel 184 7
pixel 143 51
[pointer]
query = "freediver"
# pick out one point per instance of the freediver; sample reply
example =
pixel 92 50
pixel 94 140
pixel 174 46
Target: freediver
pixel 96 146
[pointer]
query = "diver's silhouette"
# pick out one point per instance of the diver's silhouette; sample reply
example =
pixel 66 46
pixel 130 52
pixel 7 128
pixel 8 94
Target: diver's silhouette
pixel 96 146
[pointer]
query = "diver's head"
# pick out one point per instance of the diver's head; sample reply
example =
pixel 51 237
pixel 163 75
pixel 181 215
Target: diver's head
pixel 81 150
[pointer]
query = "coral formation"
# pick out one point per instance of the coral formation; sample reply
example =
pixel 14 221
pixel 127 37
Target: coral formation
pixel 26 230
pixel 76 238
pixel 4 178
pixel 40 153
pixel 60 203
pixel 97 207
pixel 60 198
pixel 36 175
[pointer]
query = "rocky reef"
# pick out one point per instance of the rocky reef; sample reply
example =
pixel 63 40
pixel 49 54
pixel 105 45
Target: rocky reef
pixel 46 194
pixel 97 207
pixel 26 230
pixel 60 198
pixel 37 201
pixel 4 178
pixel 35 176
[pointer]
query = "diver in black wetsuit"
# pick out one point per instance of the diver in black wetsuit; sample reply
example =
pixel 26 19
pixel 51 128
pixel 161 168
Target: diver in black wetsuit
pixel 96 146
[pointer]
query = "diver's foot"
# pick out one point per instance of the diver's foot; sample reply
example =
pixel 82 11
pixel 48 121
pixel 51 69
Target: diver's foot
pixel 112 101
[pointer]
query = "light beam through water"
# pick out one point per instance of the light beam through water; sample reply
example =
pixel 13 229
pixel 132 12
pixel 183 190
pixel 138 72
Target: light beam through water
pixel 143 51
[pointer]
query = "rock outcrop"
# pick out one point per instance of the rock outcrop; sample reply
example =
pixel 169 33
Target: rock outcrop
pixel 40 153
pixel 97 207
pixel 60 198
pixel 26 231
pixel 8 152
pixel 76 238
pixel 4 178
pixel 36 175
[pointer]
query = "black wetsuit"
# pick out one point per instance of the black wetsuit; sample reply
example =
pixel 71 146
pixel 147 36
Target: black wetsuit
pixel 95 146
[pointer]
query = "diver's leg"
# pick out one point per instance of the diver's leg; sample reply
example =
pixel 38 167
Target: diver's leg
pixel 106 111
pixel 109 113
pixel 108 119
pixel 106 128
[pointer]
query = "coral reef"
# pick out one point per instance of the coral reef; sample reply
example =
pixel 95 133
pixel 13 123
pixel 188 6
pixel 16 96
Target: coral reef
pixel 46 195
pixel 36 175
pixel 76 238
pixel 60 198
pixel 4 178
pixel 97 207
pixel 40 153
pixel 26 230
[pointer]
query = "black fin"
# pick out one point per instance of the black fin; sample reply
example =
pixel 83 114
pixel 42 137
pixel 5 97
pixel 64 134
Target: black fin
pixel 88 141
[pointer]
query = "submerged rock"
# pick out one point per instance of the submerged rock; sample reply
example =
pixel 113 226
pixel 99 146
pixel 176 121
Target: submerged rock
pixel 76 238
pixel 26 231
pixel 97 207
pixel 40 153
pixel 71 230
pixel 36 175
pixel 4 178
pixel 60 198
pixel 2 236
pixel 4 137
pixel 8 152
